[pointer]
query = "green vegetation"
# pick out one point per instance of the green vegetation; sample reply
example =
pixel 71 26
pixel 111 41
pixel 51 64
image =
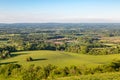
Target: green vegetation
pixel 76 38
pixel 58 58
pixel 59 51
pixel 18 72
pixel 29 59
pixel 103 76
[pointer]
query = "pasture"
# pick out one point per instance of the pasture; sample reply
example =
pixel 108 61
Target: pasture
pixel 58 58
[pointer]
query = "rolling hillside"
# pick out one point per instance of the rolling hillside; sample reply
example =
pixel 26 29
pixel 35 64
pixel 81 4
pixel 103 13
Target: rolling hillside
pixel 58 58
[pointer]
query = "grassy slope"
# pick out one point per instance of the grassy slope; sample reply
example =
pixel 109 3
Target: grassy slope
pixel 59 58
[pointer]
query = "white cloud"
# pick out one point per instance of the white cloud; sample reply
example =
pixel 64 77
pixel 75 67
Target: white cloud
pixel 41 17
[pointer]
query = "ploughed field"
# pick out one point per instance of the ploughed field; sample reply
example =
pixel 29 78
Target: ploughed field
pixel 58 58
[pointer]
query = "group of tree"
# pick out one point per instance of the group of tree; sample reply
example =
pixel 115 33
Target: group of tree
pixel 5 54
pixel 5 51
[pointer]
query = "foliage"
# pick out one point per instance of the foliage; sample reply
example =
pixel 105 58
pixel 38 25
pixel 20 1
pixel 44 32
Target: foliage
pixel 29 59
pixel 53 72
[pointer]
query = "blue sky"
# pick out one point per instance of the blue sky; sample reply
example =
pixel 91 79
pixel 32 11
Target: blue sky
pixel 76 11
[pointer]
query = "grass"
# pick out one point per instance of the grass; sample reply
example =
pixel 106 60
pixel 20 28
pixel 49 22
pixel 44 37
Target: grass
pixel 58 58
pixel 62 59
pixel 102 76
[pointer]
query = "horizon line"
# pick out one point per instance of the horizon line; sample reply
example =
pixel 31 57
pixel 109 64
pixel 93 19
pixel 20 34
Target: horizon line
pixel 59 22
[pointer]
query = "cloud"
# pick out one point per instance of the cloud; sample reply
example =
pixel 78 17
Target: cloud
pixel 42 18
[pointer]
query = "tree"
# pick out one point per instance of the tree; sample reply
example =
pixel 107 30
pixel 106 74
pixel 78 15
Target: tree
pixel 29 59
pixel 5 53
pixel 84 49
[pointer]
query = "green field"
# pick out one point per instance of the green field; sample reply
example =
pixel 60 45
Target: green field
pixel 59 58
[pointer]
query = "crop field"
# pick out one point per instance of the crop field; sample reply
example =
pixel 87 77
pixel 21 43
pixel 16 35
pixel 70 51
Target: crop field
pixel 111 39
pixel 58 58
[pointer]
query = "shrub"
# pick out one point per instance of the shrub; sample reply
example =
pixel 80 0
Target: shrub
pixel 113 66
pixel 29 59
pixel 48 69
pixel 6 70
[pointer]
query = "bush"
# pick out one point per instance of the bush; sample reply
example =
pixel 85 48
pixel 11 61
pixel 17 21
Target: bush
pixel 52 72
pixel 113 66
pixel 6 70
pixel 48 70
pixel 29 59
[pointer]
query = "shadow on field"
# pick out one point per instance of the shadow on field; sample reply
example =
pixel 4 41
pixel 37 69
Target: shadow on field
pixel 8 62
pixel 40 59
pixel 18 54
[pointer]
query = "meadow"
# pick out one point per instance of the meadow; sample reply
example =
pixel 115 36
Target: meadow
pixel 58 58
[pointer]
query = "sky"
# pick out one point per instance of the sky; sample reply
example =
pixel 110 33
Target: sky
pixel 60 11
